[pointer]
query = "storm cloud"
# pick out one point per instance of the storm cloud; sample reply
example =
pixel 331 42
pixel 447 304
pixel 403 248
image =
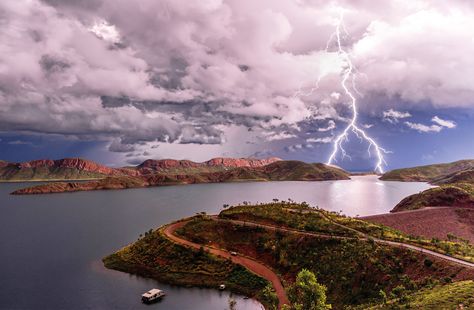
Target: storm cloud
pixel 186 72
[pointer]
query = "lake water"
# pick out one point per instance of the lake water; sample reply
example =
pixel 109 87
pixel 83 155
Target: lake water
pixel 51 245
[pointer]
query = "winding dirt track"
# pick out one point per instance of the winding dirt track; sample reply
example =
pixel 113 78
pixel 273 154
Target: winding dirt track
pixel 267 273
pixel 250 264
pixel 363 237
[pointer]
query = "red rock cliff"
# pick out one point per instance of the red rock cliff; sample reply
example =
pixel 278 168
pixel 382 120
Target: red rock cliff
pixel 73 163
pixel 163 164
pixel 240 162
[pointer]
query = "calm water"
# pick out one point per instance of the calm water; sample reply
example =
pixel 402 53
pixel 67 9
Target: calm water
pixel 51 245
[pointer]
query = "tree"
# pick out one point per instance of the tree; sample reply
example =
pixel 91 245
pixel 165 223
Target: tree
pixel 270 297
pixel 307 294
pixel 428 262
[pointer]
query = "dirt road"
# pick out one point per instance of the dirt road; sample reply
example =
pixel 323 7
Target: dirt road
pixel 265 272
pixel 252 265
pixel 363 237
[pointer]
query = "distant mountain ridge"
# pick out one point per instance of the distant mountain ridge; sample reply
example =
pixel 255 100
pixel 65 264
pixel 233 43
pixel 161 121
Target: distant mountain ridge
pixel 61 169
pixel 276 171
pixel 169 165
pixel 428 173
pixel 79 169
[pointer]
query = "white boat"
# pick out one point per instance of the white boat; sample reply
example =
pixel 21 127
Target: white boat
pixel 222 287
pixel 152 295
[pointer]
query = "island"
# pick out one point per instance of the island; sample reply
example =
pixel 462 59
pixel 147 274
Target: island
pixel 162 172
pixel 292 256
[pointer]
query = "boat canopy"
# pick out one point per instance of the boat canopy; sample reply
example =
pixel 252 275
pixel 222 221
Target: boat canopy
pixel 151 293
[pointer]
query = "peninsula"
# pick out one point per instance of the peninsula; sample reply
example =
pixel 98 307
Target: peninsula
pixel 266 251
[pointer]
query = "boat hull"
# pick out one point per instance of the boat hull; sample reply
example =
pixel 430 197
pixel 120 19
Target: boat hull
pixel 151 301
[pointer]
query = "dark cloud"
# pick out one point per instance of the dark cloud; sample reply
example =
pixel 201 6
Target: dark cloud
pixel 185 72
pixel 135 161
pixel 51 64
pixel 244 68
pixel 117 146
pixel 82 4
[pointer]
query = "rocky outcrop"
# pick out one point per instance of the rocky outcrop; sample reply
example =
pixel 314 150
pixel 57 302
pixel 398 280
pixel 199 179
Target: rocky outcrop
pixel 61 169
pixel 276 171
pixel 163 165
pixel 72 163
pixel 240 162
pixel 77 168
pixel 167 164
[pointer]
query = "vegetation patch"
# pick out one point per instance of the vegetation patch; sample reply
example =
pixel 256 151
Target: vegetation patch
pixel 453 296
pixel 459 194
pixel 354 271
pixel 298 216
pixel 155 256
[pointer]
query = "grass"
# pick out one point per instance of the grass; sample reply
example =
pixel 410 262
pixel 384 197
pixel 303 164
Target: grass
pixel 456 247
pixel 300 216
pixel 457 194
pixel 286 214
pixel 445 297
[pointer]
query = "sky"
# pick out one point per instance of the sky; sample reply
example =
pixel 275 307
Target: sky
pixel 121 81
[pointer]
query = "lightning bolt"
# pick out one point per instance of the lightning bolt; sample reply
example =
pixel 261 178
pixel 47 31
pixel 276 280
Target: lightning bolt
pixel 348 74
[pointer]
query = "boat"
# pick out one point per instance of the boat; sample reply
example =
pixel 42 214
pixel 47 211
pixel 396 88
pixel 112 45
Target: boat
pixel 222 287
pixel 152 296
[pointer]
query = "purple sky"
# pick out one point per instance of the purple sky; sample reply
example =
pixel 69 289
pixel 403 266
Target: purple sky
pixel 121 81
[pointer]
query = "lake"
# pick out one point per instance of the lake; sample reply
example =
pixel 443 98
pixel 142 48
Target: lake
pixel 52 245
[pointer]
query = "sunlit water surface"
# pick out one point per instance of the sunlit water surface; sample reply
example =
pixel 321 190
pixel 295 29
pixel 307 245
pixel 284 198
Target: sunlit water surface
pixel 51 245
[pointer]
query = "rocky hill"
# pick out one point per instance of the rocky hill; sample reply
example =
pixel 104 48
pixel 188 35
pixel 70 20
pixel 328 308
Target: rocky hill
pixel 293 170
pixel 62 169
pixel 450 195
pixel 276 171
pixel 464 176
pixel 152 166
pixel 428 173
pixel 83 169
pixel 455 180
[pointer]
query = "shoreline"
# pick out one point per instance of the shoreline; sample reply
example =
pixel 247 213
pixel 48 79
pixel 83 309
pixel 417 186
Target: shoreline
pixel 50 180
pixel 96 185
